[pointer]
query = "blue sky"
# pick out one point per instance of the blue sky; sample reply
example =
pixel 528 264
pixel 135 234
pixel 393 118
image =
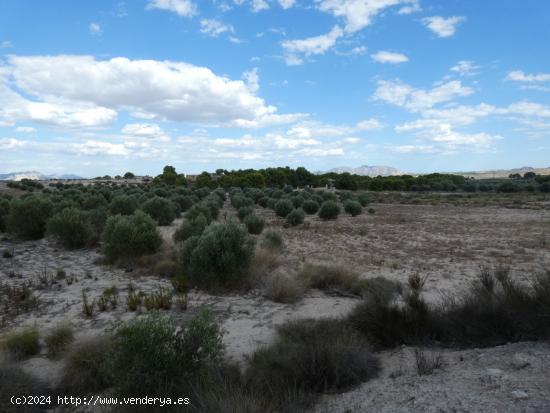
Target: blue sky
pixel 101 87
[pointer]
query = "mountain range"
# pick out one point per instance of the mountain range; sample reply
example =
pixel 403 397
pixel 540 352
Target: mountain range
pixel 17 176
pixel 366 170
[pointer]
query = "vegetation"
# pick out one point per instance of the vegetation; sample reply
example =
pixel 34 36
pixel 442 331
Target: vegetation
pixel 71 227
pixel 329 210
pixel 254 224
pixel 220 257
pixel 310 207
pixel 59 338
pixel 352 207
pixel 296 217
pixel 284 207
pixel 27 217
pixel 21 344
pixel 160 209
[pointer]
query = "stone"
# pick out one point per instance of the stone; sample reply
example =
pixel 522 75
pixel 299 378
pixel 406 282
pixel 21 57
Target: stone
pixel 520 361
pixel 519 395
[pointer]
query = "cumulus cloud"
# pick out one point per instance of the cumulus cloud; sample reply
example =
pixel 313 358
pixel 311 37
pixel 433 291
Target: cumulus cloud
pixel 389 57
pixel 80 90
pixel 465 68
pixel 259 5
pixel 415 100
pixel 521 76
pixel 358 14
pixel 316 45
pixel 184 8
pixel 25 129
pixel 443 27
pixel 95 29
pixel 287 4
pixel 214 28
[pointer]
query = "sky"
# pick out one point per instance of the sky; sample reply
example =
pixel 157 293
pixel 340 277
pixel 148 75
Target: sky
pixel 104 87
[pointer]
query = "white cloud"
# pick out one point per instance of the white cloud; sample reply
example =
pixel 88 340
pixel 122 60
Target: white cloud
pixel 10 143
pixel 92 147
pixel 316 45
pixel 389 57
pixel 150 131
pixel 25 129
pixel 287 4
pixel 443 27
pixel 95 29
pixel 259 5
pixel 416 100
pixel 81 90
pixel 465 68
pixel 252 79
pixel 411 8
pixel 214 28
pixel 521 76
pixel 184 8
pixel 358 14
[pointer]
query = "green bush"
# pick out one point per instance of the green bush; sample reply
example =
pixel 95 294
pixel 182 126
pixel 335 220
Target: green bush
pixel 297 201
pixel 27 217
pixel 157 356
pixel 93 202
pixel 310 207
pixel 220 257
pixel 244 211
pixel 123 205
pixel 312 357
pixel 353 207
pixel 21 344
pixel 363 199
pixel 190 228
pixel 160 209
pixel 4 210
pixel 199 209
pixel 184 202
pixel 127 237
pixel 283 207
pixel 71 227
pixel 329 210
pixel 296 217
pixel 254 223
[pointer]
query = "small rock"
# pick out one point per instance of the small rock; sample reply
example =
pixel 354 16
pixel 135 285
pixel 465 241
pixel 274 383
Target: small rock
pixel 494 372
pixel 520 361
pixel 520 395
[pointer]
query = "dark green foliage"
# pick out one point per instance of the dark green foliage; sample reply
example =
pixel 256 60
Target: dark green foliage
pixel 59 338
pixel 123 205
pixel 254 223
pixel 158 357
pixel 283 207
pixel 311 357
pixel 310 207
pixel 161 209
pixel 4 210
pixel 190 228
pixel 127 237
pixel 297 201
pixel 329 210
pixel 220 257
pixel 263 202
pixel 296 217
pixel 244 211
pixel 363 199
pixel 353 207
pixel 94 202
pixel 184 202
pixel 27 217
pixel 71 227
pixel 199 209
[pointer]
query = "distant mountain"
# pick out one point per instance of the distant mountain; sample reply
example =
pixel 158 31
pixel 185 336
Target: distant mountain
pixel 17 176
pixel 366 170
pixel 503 173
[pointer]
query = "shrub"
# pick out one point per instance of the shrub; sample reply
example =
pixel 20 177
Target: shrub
pixel 160 209
pixel 254 224
pixel 284 289
pixel 244 211
pixel 199 209
pixel 156 356
pixel 130 237
pixel 353 208
pixel 184 202
pixel 335 279
pixel 329 196
pixel 190 228
pixel 372 210
pixel 71 227
pixel 310 207
pixel 21 344
pixel 296 217
pixel 4 210
pixel 59 338
pixel 263 201
pixel 329 210
pixel 312 357
pixel 283 207
pixel 123 205
pixel 93 202
pixel 272 241
pixel 88 366
pixel 297 201
pixel 27 217
pixel 220 257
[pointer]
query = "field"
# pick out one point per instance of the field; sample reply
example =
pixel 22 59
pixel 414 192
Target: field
pixel 444 240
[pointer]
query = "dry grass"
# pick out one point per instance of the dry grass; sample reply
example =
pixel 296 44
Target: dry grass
pixel 332 279
pixel 265 260
pixel 284 289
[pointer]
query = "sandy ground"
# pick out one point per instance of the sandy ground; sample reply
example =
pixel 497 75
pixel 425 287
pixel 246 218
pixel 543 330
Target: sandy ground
pixel 448 244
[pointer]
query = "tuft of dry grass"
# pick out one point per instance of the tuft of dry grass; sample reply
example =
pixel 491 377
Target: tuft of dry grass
pixel 332 279
pixel 265 260
pixel 21 344
pixel 283 289
pixel 427 363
